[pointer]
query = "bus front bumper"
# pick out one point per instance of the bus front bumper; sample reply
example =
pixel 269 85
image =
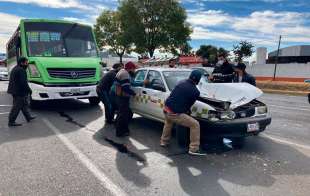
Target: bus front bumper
pixel 41 92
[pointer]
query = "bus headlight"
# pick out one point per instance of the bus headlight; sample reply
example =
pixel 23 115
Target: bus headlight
pixel 34 72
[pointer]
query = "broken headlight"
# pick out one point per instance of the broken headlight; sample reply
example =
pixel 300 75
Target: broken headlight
pixel 221 115
pixel 261 110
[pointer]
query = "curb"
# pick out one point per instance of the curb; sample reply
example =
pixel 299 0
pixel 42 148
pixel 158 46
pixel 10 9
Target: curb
pixel 298 93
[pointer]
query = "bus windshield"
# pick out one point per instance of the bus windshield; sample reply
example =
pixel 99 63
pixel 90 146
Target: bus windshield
pixel 47 39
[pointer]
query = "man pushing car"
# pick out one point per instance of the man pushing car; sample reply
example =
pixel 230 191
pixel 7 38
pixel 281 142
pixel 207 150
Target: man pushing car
pixel 177 109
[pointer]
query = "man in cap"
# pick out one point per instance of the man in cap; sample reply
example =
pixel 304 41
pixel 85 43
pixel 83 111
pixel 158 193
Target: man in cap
pixel 177 109
pixel 123 93
pixel 20 90
pixel 103 91
pixel 242 76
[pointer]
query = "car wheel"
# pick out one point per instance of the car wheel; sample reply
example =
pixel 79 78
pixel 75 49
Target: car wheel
pixel 94 101
pixel 238 142
pixel 182 135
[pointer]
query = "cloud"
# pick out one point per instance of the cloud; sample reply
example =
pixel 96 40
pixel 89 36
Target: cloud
pixel 260 27
pixel 8 24
pixel 52 3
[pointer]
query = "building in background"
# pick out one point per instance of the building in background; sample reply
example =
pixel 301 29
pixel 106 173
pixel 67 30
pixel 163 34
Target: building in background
pixel 293 64
pixel 293 54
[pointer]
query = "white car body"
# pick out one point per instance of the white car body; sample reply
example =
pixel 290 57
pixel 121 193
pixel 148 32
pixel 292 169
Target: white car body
pixel 4 74
pixel 227 110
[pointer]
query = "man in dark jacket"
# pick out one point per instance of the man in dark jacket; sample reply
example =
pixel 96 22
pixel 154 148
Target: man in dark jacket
pixel 123 93
pixel 177 109
pixel 20 90
pixel 223 71
pixel 103 91
pixel 242 76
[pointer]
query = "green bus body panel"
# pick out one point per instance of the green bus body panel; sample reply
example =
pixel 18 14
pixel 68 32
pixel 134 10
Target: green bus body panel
pixel 42 63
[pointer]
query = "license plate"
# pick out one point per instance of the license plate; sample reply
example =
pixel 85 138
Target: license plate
pixel 253 127
pixel 75 90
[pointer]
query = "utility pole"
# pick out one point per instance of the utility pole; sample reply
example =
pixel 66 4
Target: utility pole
pixel 277 58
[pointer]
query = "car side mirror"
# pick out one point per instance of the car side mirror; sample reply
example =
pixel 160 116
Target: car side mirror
pixel 103 64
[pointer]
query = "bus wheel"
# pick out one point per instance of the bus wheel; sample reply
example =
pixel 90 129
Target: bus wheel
pixel 94 101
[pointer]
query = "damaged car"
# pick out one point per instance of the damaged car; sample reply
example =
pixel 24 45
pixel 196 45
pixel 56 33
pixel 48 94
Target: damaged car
pixel 226 110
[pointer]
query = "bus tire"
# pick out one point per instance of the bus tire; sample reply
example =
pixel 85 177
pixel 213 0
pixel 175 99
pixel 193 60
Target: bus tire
pixel 94 101
pixel 182 135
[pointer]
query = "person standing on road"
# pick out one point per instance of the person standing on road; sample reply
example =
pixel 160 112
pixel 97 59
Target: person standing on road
pixel 123 93
pixel 103 91
pixel 242 76
pixel 223 71
pixel 20 90
pixel 177 109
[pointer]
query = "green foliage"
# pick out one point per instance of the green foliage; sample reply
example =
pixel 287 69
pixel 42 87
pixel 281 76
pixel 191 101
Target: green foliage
pixel 242 50
pixel 110 33
pixel 211 52
pixel 155 24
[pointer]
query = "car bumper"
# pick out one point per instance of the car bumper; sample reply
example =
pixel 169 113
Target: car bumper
pixel 40 92
pixel 4 77
pixel 233 128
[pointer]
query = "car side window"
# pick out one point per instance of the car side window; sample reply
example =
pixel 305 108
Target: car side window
pixel 155 80
pixel 139 78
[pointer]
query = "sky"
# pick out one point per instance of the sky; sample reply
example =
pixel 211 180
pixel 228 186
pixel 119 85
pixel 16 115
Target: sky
pixel 222 23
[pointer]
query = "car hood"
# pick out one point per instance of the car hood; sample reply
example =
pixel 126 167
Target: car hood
pixel 236 93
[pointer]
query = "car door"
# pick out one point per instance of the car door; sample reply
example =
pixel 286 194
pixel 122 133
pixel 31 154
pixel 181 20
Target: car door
pixel 136 103
pixel 154 93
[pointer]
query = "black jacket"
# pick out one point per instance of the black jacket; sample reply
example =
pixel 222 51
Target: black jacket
pixel 182 97
pixel 18 84
pixel 248 78
pixel 107 81
pixel 227 72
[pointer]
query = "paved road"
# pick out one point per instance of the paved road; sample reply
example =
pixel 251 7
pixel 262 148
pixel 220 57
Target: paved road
pixel 64 152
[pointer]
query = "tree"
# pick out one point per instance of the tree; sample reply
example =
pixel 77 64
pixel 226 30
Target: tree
pixel 155 24
pixel 211 52
pixel 110 33
pixel 242 50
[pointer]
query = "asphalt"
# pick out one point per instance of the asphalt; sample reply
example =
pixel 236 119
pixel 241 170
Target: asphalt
pixel 65 152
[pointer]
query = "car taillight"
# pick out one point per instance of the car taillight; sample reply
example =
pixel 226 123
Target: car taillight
pixel 34 72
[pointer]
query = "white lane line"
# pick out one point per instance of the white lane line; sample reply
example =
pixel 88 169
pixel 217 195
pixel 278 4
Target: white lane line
pixel 289 108
pixel 5 105
pixel 107 183
pixel 1 113
pixel 284 141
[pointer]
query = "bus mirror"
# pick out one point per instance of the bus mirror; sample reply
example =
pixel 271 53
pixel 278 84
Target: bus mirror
pixel 103 64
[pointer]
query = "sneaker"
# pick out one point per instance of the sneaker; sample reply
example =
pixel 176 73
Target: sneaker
pixel 31 118
pixel 14 124
pixel 164 145
pixel 197 153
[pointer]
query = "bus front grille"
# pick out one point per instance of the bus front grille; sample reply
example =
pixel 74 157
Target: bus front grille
pixel 71 73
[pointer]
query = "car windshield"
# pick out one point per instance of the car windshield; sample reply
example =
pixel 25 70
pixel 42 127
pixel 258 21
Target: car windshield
pixel 46 39
pixel 174 77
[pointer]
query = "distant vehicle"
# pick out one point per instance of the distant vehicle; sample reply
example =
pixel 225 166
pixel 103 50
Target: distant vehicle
pixel 229 110
pixel 63 58
pixel 4 73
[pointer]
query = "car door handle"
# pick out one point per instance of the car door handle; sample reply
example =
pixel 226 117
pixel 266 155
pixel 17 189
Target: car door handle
pixel 144 92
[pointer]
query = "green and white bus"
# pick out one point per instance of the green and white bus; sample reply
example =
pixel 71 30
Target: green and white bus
pixel 63 58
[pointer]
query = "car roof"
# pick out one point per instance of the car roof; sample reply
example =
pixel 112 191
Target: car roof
pixel 161 69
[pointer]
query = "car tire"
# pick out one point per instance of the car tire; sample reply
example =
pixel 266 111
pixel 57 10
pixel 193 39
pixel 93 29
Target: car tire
pixel 94 101
pixel 238 142
pixel 182 135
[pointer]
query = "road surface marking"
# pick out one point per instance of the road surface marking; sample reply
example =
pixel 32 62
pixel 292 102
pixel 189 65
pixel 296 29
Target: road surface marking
pixel 289 108
pixel 5 105
pixel 284 141
pixel 1 113
pixel 108 184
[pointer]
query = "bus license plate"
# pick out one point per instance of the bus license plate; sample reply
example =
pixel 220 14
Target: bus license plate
pixel 75 90
pixel 253 127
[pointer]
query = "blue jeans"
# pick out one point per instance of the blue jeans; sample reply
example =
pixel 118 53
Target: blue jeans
pixel 108 105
